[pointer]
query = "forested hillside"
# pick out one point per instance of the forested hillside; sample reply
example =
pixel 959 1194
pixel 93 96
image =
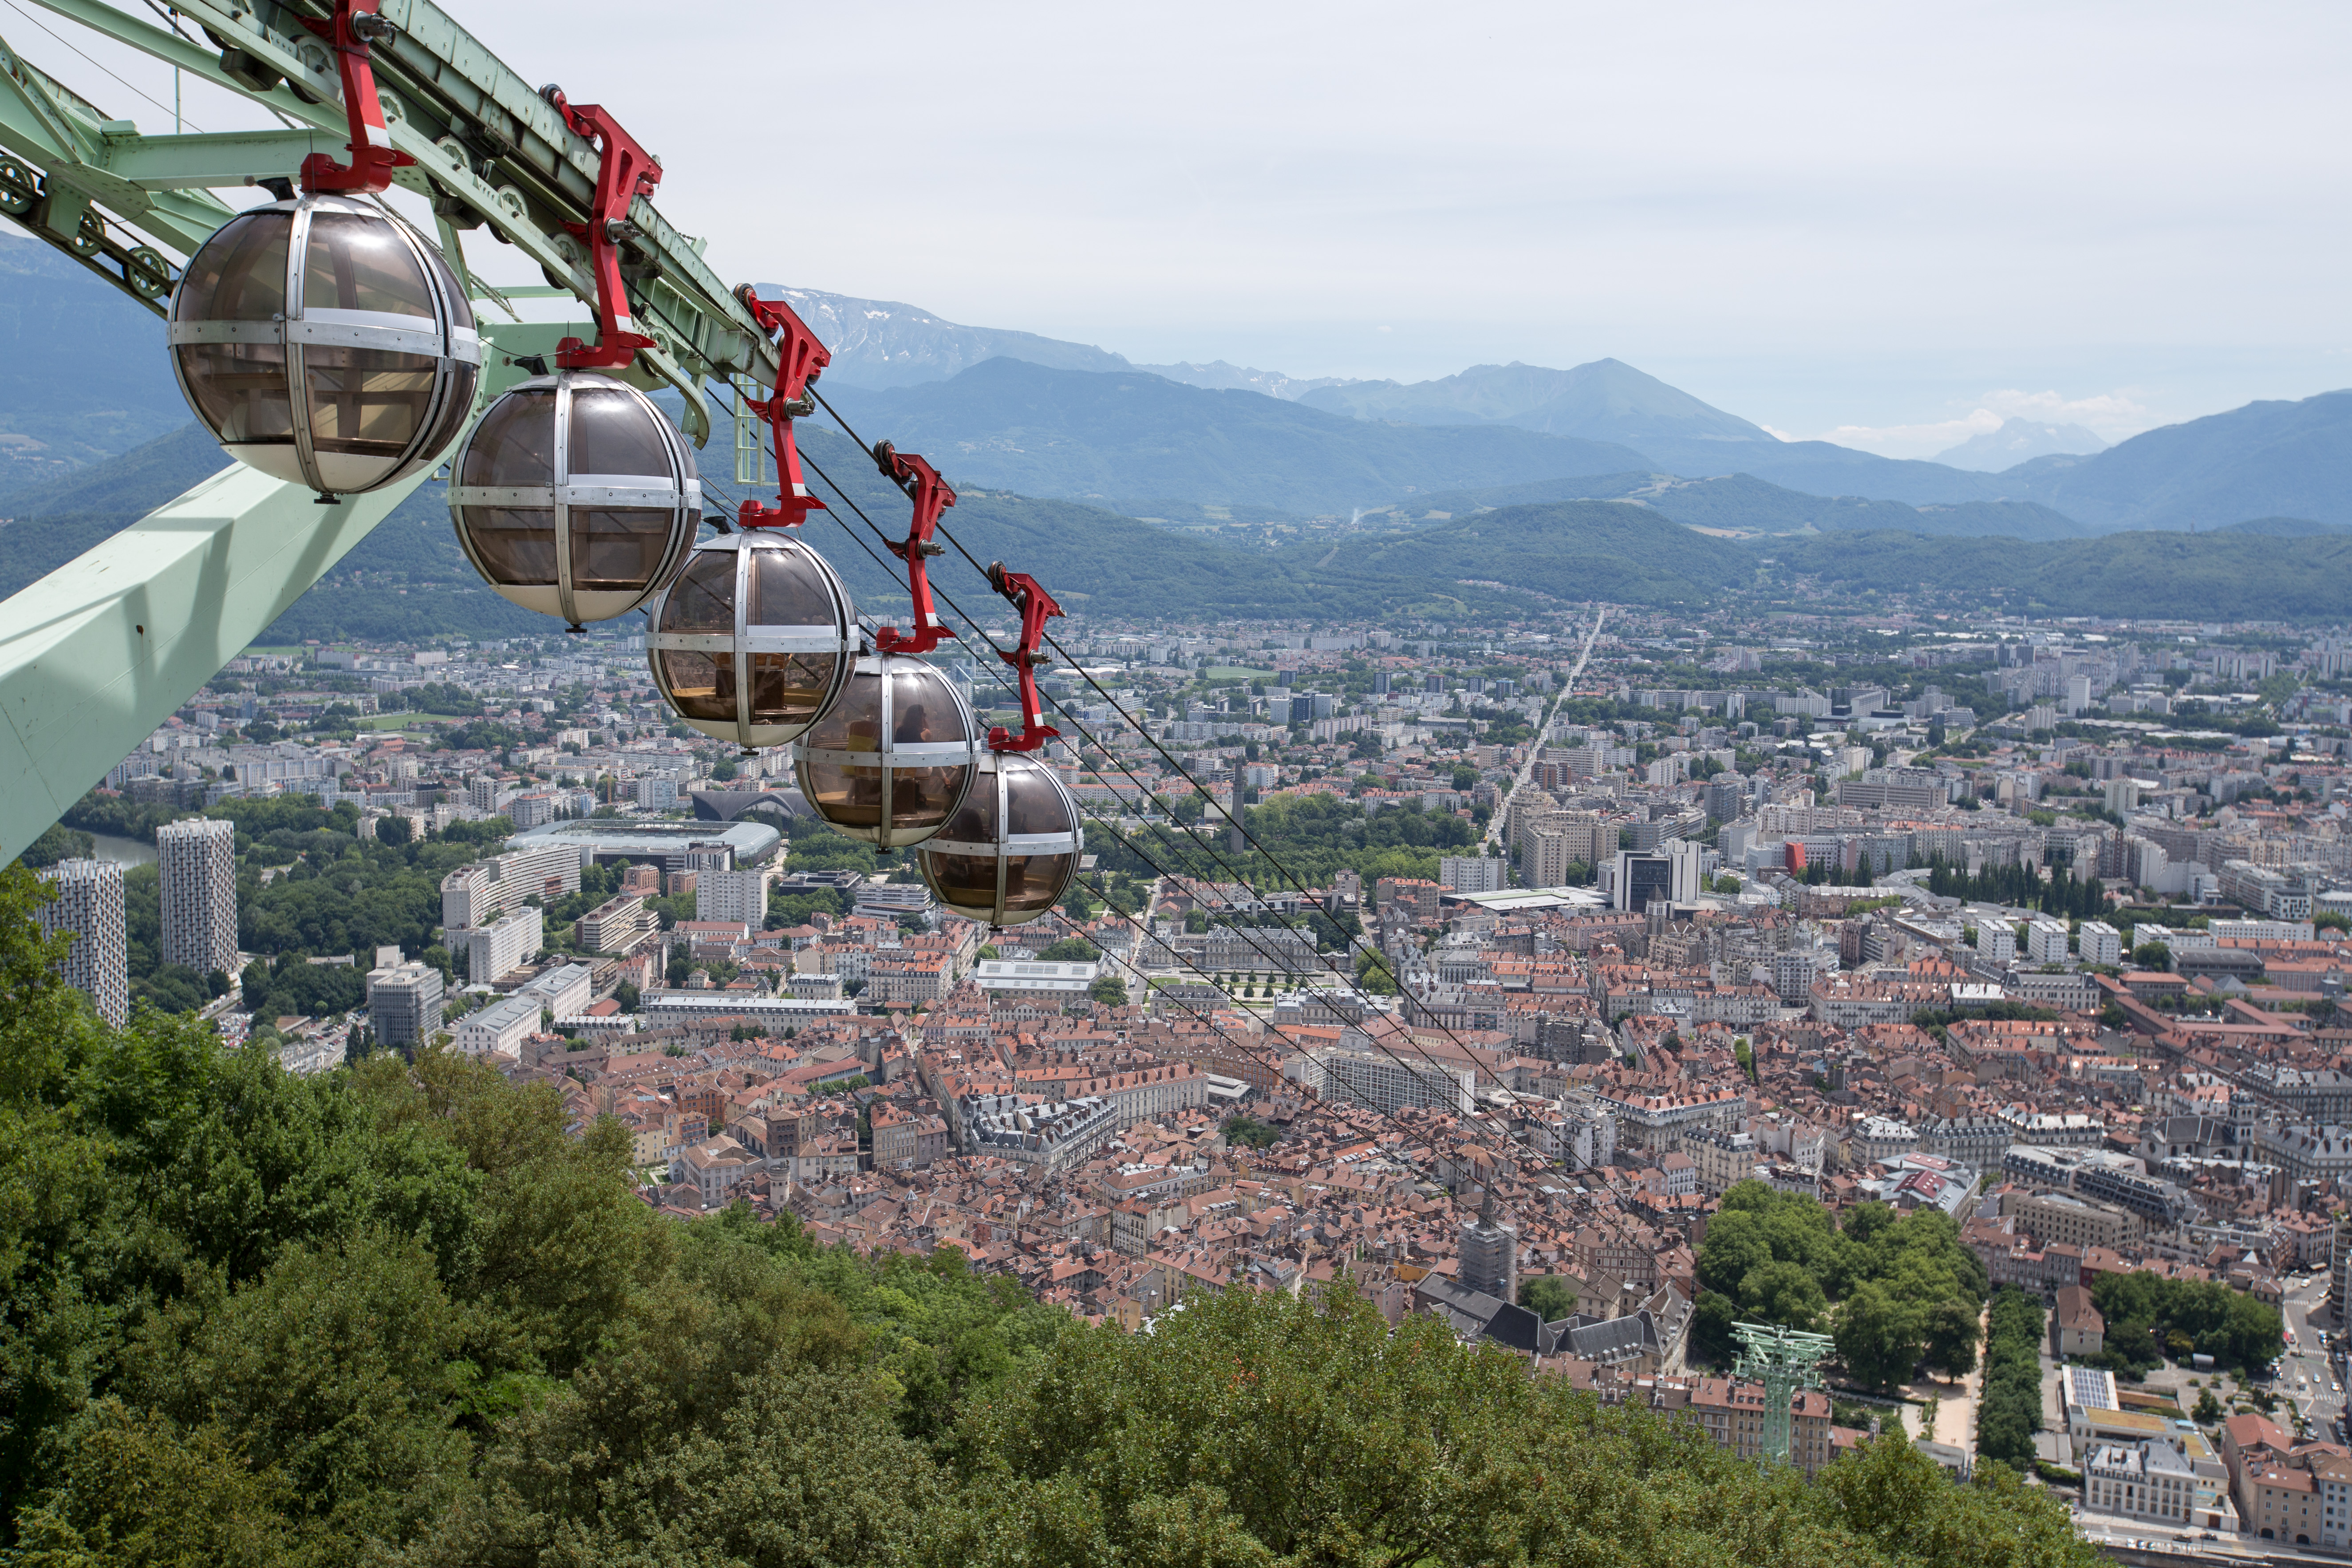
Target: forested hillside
pixel 399 1314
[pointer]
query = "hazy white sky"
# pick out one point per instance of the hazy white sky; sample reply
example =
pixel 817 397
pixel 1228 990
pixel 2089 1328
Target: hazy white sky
pixel 1886 225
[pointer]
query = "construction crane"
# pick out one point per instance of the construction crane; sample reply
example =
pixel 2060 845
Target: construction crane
pixel 99 653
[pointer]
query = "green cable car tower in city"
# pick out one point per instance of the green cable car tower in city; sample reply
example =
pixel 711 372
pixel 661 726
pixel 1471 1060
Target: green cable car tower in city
pixel 1783 1361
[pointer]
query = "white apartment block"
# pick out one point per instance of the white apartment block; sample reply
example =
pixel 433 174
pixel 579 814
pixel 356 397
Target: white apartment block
pixel 2045 942
pixel 503 946
pixel 1471 873
pixel 89 905
pixel 501 1028
pixel 476 895
pixel 2100 942
pixel 198 857
pixel 1386 1083
pixel 617 925
pixel 740 896
pixel 1996 942
pixel 567 992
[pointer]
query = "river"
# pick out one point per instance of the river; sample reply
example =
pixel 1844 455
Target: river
pixel 125 852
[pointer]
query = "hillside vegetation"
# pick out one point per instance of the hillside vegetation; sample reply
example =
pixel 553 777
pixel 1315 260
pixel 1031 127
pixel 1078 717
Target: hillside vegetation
pixel 397 1315
pixel 2229 576
pixel 1578 550
pixel 1743 503
pixel 409 580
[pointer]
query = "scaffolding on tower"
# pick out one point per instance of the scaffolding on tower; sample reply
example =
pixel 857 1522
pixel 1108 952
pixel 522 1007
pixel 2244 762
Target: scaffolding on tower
pixel 1783 1361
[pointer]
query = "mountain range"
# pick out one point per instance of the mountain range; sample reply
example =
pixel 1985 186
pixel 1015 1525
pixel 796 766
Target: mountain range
pixel 85 376
pixel 1009 424
pixel 2018 441
pixel 881 343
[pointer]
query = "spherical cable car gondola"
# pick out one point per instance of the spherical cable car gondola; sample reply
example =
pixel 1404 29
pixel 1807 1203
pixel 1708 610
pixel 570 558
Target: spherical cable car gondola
pixel 753 639
pixel 892 759
pixel 319 339
pixel 575 497
pixel 322 341
pixel 1011 852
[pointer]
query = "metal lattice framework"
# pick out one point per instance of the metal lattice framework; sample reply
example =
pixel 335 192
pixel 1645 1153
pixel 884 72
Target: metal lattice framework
pixel 1784 1360
pixel 99 653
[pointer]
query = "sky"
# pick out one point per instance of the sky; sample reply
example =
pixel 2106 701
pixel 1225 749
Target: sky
pixel 1886 226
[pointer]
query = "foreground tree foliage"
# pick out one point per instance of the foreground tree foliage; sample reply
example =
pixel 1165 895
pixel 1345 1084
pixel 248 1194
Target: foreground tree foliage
pixel 403 1314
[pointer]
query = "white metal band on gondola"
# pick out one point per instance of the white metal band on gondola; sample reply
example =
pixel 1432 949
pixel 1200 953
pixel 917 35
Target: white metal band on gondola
pixel 275 354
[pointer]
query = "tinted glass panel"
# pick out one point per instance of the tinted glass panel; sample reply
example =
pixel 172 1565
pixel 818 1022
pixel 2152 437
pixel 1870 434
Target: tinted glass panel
pixel 240 391
pixel 976 823
pixel 620 549
pixel 239 274
pixel 461 314
pixel 516 544
pixel 789 688
pixel 702 599
pixel 357 263
pixel 701 685
pixel 1036 804
pixel 455 411
pixel 850 797
pixel 922 709
pixel 367 401
pixel 791 589
pixel 613 433
pixel 515 444
pixel 963 881
pixel 920 798
pixel 1031 882
pixel 850 724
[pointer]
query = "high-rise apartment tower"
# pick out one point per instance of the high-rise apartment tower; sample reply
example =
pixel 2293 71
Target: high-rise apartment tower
pixel 89 905
pixel 198 859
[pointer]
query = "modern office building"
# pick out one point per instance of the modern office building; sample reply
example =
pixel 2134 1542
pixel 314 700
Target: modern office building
pixel 89 905
pixel 404 1003
pixel 198 857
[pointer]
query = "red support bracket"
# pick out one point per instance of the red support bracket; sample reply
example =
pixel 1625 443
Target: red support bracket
pixel 931 495
pixel 1029 597
pixel 354 27
pixel 626 171
pixel 800 359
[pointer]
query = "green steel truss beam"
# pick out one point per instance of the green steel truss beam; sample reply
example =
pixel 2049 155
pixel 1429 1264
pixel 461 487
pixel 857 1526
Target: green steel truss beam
pixel 97 654
pixel 490 151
